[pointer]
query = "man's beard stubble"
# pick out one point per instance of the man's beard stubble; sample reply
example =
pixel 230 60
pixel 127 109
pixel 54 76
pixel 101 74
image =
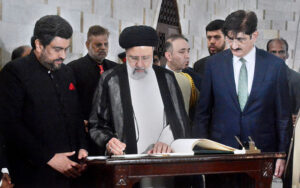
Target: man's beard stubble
pixel 98 57
pixel 50 64
pixel 217 49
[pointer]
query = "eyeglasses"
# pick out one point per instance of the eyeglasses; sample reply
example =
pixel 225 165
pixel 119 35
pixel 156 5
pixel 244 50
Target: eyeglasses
pixel 239 40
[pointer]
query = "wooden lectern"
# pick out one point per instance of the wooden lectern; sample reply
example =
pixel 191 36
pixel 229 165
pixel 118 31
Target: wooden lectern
pixel 123 172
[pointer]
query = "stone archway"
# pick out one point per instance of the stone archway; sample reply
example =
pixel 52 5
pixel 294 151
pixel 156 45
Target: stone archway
pixel 168 24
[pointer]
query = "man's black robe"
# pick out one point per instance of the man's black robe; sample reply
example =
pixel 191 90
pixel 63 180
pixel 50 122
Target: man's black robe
pixel 39 116
pixel 86 72
pixel 87 75
pixel 112 112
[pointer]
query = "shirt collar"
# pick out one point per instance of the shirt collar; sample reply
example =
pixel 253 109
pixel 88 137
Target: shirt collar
pixel 167 67
pixel 250 57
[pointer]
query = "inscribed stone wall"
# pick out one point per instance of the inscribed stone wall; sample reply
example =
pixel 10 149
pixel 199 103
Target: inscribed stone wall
pixel 277 18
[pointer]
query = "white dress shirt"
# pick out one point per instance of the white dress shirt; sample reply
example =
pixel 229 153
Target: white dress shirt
pixel 250 64
pixel 167 67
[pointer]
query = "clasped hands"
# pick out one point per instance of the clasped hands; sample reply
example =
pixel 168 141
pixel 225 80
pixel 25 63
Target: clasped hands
pixel 62 163
pixel 116 147
pixel 6 181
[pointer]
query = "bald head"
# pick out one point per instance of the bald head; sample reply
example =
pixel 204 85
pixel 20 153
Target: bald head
pixel 278 47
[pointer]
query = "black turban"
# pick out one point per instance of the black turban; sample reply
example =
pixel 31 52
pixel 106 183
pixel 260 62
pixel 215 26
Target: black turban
pixel 138 36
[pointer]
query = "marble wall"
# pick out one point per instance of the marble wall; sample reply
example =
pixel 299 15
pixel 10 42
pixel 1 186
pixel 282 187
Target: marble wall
pixel 277 18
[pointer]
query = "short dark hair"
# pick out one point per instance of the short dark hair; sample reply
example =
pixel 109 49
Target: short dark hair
pixel 215 25
pixel 240 21
pixel 168 44
pixel 278 39
pixel 48 27
pixel 96 30
pixel 156 53
pixel 18 52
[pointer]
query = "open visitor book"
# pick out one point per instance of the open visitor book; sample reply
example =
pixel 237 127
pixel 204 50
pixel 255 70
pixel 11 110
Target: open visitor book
pixel 184 147
pixel 202 146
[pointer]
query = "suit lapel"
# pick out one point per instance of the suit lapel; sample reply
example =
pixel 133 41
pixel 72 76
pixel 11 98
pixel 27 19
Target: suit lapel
pixel 229 75
pixel 259 75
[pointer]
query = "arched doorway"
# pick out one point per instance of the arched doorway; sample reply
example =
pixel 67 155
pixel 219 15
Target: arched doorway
pixel 168 24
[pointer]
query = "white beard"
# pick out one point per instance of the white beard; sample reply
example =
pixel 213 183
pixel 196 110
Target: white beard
pixel 132 72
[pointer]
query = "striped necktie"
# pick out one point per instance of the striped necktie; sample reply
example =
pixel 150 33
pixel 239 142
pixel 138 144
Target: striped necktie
pixel 243 84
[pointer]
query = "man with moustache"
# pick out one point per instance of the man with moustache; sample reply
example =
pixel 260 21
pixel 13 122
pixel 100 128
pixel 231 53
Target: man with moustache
pixel 138 107
pixel 244 93
pixel 39 113
pixel 88 70
pixel 215 44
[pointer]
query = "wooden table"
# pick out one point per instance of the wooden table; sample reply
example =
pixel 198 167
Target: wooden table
pixel 119 172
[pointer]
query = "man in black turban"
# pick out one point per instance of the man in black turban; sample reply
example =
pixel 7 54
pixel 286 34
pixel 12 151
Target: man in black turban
pixel 135 99
pixel 138 107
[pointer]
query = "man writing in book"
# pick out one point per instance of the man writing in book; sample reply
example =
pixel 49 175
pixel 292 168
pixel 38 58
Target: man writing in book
pixel 138 108
pixel 244 92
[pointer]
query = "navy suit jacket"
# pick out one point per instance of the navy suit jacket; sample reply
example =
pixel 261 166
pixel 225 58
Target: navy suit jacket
pixel 266 114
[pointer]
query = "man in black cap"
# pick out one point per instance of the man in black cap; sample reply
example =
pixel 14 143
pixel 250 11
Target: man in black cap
pixel 138 107
pixel 39 112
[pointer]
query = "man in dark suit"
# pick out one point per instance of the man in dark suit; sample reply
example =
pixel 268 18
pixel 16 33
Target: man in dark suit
pixel 279 47
pixel 215 44
pixel 39 111
pixel 88 70
pixel 244 92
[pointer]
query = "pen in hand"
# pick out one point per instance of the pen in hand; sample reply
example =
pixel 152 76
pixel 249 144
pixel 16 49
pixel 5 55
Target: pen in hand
pixel 115 147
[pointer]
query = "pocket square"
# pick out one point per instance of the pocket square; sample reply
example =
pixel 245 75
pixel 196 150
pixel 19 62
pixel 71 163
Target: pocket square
pixel 71 87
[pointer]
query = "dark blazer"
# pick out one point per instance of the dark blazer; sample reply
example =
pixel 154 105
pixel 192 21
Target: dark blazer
pixel 196 78
pixel 87 76
pixel 199 66
pixel 39 116
pixel 266 114
pixel 293 78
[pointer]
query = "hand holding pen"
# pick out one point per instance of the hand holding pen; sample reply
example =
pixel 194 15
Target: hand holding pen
pixel 115 147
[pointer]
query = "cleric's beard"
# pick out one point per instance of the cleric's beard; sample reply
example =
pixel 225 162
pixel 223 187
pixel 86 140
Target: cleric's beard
pixel 135 73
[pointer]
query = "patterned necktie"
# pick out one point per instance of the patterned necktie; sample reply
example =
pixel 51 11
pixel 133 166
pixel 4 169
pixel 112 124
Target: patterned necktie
pixel 243 84
pixel 101 70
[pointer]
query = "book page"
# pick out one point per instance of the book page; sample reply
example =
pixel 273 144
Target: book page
pixel 130 156
pixel 187 145
pixel 209 144
pixel 183 145
pixel 90 158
